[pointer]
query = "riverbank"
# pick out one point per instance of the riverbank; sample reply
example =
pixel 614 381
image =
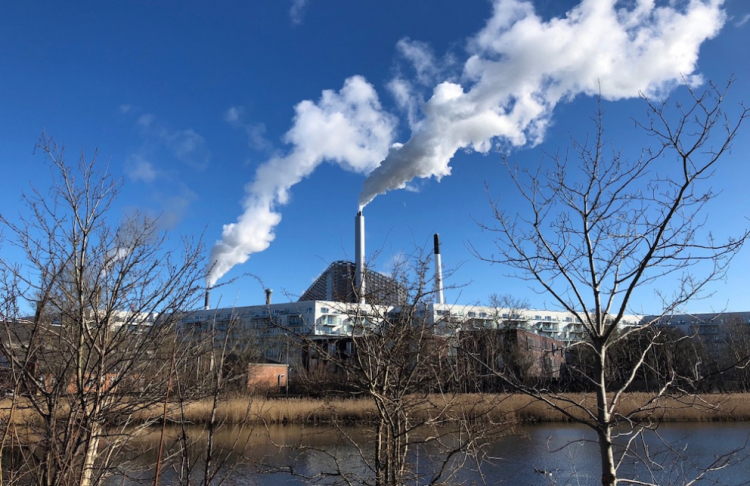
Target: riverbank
pixel 496 408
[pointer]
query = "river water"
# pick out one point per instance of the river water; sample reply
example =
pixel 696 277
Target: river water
pixel 546 454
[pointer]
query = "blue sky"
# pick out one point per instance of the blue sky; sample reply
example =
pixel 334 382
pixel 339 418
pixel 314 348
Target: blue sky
pixel 188 100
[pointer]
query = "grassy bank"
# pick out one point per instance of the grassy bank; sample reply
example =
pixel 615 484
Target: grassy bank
pixel 505 408
pixel 490 408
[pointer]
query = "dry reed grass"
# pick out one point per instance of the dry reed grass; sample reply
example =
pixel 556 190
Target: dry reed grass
pixel 505 408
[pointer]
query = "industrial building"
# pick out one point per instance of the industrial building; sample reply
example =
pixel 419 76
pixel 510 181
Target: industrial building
pixel 336 283
pixel 347 295
pixel 330 318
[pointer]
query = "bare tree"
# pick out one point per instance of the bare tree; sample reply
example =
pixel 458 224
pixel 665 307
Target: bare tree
pixel 597 231
pixel 95 299
pixel 400 358
pixel 225 348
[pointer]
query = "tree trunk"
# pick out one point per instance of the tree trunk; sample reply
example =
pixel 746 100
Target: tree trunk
pixel 379 479
pixel 609 477
pixel 604 427
pixel 91 451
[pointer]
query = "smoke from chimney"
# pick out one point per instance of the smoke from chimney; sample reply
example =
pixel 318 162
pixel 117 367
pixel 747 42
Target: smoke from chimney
pixel 439 299
pixel 359 257
pixel 520 67
pixel 347 127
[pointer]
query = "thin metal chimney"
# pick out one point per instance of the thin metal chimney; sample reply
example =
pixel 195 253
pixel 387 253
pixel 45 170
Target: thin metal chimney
pixel 359 257
pixel 439 299
pixel 268 296
pixel 207 302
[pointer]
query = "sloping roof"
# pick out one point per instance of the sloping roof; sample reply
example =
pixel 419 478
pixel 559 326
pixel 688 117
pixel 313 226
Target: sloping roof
pixel 336 284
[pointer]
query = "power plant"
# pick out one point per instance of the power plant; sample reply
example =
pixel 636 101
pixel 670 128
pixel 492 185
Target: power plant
pixel 353 283
pixel 334 305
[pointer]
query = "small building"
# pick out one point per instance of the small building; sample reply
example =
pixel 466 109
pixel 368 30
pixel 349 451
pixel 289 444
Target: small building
pixel 264 377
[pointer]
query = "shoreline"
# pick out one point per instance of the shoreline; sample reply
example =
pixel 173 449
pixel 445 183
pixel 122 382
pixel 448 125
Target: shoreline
pixel 487 408
pixel 493 409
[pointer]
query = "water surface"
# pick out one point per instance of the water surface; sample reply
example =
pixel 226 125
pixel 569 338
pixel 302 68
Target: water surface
pixel 560 454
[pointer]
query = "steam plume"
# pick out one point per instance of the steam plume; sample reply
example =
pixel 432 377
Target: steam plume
pixel 520 67
pixel 347 127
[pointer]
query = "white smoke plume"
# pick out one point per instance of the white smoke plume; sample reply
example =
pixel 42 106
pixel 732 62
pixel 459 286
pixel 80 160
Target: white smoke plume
pixel 347 127
pixel 520 67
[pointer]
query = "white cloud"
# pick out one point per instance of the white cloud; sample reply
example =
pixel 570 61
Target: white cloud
pixel 188 146
pixel 256 136
pixel 521 67
pixel 745 18
pixel 174 206
pixel 138 168
pixel 420 55
pixel 233 114
pixel 407 99
pixel 297 11
pixel 427 69
pixel 125 109
pixel 412 187
pixel 255 131
pixel 347 127
pixel 146 120
pixel 171 196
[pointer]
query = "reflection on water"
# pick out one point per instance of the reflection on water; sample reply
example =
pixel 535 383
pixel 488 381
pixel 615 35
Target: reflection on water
pixel 569 455
pixel 560 454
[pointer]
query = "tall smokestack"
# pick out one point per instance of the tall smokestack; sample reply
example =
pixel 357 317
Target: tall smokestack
pixel 268 296
pixel 359 257
pixel 207 302
pixel 439 299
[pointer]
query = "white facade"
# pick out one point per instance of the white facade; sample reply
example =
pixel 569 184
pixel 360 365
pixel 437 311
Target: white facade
pixel 560 325
pixel 322 319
